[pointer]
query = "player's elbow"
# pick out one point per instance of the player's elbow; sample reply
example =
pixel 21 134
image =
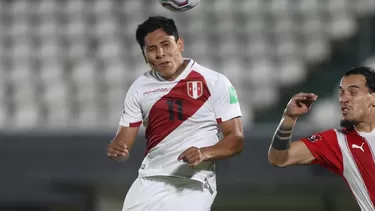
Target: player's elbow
pixel 239 144
pixel 277 162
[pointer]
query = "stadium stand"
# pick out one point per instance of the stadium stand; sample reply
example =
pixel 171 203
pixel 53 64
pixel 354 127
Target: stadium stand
pixel 67 64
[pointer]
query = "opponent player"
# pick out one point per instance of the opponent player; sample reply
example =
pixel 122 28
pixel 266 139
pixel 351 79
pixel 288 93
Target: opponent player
pixel 348 152
pixel 183 106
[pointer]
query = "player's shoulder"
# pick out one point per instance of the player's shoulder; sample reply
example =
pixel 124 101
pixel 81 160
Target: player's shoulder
pixel 326 135
pixel 140 83
pixel 210 75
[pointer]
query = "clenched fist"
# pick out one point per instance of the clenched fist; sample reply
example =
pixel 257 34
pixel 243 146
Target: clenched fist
pixel 117 151
pixel 192 156
pixel 300 104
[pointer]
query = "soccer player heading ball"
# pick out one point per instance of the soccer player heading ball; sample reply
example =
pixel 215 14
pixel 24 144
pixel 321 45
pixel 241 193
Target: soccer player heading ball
pixel 183 106
pixel 348 152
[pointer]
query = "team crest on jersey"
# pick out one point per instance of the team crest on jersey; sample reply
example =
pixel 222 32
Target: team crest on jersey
pixel 195 89
pixel 314 138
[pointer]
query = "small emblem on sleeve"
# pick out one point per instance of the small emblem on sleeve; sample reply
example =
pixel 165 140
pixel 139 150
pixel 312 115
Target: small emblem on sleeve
pixel 233 98
pixel 314 138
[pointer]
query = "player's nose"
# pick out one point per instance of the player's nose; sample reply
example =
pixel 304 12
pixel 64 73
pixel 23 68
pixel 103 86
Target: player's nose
pixel 343 99
pixel 159 53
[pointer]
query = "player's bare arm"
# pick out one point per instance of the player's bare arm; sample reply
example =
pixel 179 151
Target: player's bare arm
pixel 122 143
pixel 230 145
pixel 282 151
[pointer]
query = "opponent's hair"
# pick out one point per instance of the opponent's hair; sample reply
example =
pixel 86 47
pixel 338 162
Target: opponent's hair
pixel 152 24
pixel 367 72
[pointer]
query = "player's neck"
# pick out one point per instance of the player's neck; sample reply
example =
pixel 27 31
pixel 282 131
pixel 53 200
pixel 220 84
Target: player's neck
pixel 366 127
pixel 179 70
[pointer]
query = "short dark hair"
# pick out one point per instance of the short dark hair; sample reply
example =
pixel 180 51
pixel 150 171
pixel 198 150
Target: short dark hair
pixel 152 24
pixel 367 72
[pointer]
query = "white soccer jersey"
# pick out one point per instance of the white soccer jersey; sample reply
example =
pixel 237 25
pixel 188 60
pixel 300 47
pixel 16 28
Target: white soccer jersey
pixel 177 115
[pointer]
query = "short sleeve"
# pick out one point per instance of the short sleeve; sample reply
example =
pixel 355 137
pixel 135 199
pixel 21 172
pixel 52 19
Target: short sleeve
pixel 131 110
pixel 225 100
pixel 326 150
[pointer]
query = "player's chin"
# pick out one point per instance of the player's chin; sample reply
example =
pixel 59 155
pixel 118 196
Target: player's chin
pixel 348 123
pixel 163 67
pixel 346 119
pixel 346 116
pixel 166 72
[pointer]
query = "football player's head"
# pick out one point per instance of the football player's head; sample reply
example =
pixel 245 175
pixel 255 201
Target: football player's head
pixel 161 45
pixel 357 96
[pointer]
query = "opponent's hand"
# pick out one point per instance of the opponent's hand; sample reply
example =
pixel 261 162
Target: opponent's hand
pixel 300 104
pixel 192 156
pixel 117 150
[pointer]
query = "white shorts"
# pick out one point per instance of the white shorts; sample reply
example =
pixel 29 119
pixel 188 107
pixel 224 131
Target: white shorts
pixel 162 193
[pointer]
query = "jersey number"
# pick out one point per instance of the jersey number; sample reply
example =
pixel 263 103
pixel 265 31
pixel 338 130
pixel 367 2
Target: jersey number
pixel 171 104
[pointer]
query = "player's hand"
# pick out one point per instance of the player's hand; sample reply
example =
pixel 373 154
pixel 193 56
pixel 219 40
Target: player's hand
pixel 117 150
pixel 300 104
pixel 192 156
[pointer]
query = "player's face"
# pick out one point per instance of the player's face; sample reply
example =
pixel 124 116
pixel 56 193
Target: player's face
pixel 163 52
pixel 355 99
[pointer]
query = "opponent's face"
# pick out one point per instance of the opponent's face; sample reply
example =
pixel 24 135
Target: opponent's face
pixel 163 52
pixel 355 99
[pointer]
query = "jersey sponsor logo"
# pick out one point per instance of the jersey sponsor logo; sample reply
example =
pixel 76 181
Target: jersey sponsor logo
pixel 314 138
pixel 195 89
pixel 233 98
pixel 355 146
pixel 155 91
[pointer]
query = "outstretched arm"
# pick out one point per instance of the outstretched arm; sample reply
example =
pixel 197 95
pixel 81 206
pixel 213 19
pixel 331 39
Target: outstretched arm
pixel 282 151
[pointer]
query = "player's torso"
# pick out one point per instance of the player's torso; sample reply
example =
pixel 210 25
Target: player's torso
pixel 170 103
pixel 359 166
pixel 177 115
pixel 178 111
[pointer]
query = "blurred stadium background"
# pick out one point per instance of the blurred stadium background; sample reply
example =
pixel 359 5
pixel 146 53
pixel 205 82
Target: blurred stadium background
pixel 65 66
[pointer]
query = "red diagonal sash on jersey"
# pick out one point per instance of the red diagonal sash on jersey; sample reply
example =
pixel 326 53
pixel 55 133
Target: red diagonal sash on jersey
pixel 364 160
pixel 174 108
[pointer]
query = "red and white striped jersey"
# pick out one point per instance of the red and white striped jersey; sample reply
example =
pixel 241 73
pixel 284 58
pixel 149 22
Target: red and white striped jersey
pixel 177 115
pixel 350 155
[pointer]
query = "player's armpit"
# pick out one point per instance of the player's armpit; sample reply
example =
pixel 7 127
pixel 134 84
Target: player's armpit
pixel 230 145
pixel 126 135
pixel 297 154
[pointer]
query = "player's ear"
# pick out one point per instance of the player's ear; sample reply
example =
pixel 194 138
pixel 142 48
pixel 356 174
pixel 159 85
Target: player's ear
pixel 144 56
pixel 373 99
pixel 180 43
